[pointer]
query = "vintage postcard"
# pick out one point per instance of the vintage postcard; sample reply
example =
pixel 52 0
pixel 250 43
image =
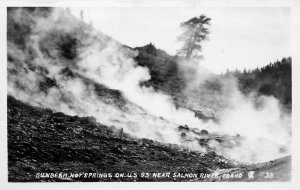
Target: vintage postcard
pixel 160 91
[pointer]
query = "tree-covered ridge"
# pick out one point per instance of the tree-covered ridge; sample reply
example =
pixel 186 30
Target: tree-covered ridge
pixel 165 73
pixel 273 79
pixel 166 76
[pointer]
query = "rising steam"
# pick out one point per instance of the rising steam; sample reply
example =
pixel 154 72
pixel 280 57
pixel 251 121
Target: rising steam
pixel 40 74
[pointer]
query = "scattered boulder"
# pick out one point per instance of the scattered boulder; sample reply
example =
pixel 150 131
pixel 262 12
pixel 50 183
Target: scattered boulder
pixel 204 132
pixel 183 128
pixel 203 142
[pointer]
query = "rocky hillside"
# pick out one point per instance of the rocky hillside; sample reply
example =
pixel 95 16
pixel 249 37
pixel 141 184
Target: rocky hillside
pixel 40 140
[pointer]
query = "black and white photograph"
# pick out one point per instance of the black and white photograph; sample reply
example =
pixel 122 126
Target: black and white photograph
pixel 139 92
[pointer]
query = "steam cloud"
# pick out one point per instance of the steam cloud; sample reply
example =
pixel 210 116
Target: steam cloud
pixel 146 113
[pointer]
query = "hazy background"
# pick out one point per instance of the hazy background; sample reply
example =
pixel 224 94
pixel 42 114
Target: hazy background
pixel 241 37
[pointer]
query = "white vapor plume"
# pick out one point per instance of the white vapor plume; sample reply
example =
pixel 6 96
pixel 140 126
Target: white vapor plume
pixel 144 112
pixel 100 61
pixel 264 127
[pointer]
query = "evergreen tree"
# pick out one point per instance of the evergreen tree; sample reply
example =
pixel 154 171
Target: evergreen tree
pixel 195 32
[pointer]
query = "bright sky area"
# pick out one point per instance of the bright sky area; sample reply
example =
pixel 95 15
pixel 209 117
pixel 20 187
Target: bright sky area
pixel 241 37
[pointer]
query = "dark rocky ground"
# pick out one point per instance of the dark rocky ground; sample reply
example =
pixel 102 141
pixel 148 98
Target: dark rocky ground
pixel 42 141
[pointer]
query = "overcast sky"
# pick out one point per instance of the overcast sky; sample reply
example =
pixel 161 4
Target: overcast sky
pixel 240 37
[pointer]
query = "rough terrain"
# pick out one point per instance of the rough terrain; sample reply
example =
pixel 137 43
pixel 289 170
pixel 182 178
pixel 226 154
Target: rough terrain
pixel 42 141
